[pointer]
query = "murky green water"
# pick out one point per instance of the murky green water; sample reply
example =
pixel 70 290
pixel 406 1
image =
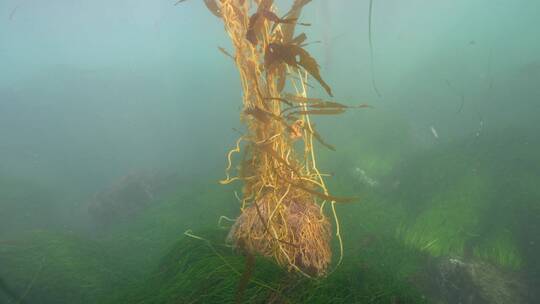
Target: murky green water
pixel 116 118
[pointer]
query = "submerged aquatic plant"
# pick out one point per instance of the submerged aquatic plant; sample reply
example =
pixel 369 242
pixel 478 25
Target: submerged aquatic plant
pixel 371 55
pixel 450 219
pixel 284 193
pixel 475 211
pixel 500 249
pixel 50 267
pixel 196 271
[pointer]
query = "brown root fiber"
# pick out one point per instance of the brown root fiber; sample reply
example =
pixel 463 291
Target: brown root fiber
pixel 295 233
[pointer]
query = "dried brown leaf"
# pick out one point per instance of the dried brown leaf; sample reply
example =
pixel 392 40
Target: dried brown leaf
pixel 294 56
pixel 320 112
pixel 213 7
pixel 293 13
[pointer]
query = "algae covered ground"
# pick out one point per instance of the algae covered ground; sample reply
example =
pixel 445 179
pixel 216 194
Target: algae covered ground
pixel 466 201
pixel 150 260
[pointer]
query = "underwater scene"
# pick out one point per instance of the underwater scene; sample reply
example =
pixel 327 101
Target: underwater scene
pixel 269 151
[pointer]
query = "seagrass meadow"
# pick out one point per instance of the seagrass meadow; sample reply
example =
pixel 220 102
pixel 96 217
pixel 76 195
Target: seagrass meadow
pixel 269 151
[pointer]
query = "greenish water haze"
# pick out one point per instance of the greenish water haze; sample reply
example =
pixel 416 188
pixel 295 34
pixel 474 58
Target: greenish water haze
pixel 116 117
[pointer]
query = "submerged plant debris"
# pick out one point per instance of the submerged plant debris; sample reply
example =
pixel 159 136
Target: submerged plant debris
pixel 279 184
